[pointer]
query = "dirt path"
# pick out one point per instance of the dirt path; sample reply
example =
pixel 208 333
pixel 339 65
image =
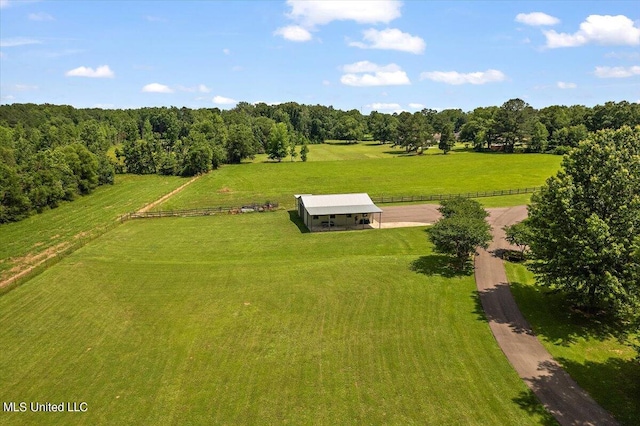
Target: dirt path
pixel 557 391
pixel 167 196
pixel 35 260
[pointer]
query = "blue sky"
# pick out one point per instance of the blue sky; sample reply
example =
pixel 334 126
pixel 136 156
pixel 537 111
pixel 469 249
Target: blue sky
pixel 368 55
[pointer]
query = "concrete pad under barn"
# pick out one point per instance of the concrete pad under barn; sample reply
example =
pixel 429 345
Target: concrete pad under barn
pixel 410 215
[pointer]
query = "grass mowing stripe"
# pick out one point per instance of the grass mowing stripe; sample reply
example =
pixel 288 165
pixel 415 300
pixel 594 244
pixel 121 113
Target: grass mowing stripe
pixel 21 241
pixel 330 328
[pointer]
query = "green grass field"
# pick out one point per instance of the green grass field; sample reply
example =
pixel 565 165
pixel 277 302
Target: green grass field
pixel 333 150
pixel 591 352
pixel 233 185
pixel 21 242
pixel 246 320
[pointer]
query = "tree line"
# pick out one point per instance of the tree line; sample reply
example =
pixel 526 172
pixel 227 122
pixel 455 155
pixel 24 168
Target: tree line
pixel 50 153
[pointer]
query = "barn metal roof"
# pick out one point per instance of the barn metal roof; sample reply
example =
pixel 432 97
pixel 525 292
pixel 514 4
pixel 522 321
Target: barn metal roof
pixel 321 205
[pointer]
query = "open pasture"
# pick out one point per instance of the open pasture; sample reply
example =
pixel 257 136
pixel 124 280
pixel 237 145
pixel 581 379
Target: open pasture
pixel 335 150
pixel 246 320
pixel 233 185
pixel 24 242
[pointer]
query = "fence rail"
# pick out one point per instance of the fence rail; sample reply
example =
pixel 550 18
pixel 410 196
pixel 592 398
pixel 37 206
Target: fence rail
pixel 438 197
pixel 207 211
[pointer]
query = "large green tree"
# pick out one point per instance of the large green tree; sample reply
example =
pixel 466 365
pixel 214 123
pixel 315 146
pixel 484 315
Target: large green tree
pixel 278 147
pixel 447 138
pixel 414 132
pixel 512 123
pixel 383 127
pixel 240 144
pixel 350 128
pixel 584 222
pixel 462 229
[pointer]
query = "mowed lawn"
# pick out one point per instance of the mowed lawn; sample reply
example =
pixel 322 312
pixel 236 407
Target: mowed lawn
pixel 246 320
pixel 233 185
pixel 588 349
pixel 21 242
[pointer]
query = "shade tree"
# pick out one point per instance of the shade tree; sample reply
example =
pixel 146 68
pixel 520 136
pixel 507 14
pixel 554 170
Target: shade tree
pixel 461 230
pixel 584 222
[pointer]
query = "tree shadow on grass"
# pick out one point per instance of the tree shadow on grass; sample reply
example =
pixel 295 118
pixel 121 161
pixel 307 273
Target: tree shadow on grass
pixel 400 153
pixel 553 317
pixel 442 265
pixel 528 401
pixel 493 305
pixel 297 220
pixel 613 385
pixel 341 143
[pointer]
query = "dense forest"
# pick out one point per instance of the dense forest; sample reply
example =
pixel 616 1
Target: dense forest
pixel 51 153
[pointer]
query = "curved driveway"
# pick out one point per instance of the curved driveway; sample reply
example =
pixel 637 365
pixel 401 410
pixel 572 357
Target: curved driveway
pixel 557 391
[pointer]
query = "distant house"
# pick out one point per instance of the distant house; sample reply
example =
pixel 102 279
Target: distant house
pixel 337 211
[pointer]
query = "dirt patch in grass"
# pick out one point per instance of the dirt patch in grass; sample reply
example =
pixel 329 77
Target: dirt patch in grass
pixel 25 264
pixel 166 197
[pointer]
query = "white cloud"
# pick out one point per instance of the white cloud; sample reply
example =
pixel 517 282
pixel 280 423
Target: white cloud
pixel 617 72
pixel 597 29
pixel 456 78
pixel 226 51
pixel 383 106
pixel 18 41
pixel 104 106
pixel 565 85
pixel 365 73
pixel 326 83
pixel 185 89
pixel 40 16
pixel 4 3
pixel 536 19
pixel 157 88
pixel 391 39
pixel 199 88
pixel 24 87
pixel 102 71
pixel 221 100
pixel 416 105
pixel 378 79
pixel 310 13
pixel 365 66
pixel 293 33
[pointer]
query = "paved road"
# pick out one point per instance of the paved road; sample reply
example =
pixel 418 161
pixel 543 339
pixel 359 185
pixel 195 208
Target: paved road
pixel 557 391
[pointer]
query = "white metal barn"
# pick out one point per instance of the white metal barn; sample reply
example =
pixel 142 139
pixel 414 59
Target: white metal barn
pixel 337 211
